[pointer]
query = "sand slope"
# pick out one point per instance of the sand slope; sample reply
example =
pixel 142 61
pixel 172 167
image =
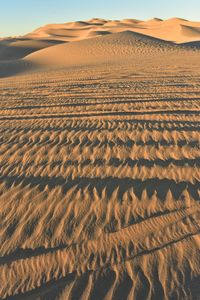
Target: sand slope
pixel 109 48
pixel 124 47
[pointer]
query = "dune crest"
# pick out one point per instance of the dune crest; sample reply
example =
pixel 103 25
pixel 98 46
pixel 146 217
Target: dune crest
pixel 155 27
pixel 112 26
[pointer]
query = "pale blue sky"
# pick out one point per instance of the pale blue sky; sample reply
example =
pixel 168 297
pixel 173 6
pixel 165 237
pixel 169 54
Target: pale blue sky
pixel 21 16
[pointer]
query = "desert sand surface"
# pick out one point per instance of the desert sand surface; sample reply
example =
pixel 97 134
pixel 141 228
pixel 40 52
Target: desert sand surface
pixel 99 161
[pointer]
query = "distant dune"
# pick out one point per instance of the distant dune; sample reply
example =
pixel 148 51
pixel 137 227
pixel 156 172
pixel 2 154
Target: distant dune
pixel 95 41
pixel 169 30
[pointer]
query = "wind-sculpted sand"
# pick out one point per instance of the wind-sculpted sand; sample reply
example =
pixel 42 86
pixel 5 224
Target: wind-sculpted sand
pixel 99 169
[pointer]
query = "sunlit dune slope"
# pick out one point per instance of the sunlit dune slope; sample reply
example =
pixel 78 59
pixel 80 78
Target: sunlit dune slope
pixel 109 48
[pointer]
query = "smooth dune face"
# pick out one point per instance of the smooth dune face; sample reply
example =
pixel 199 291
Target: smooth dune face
pixel 99 162
pixel 121 46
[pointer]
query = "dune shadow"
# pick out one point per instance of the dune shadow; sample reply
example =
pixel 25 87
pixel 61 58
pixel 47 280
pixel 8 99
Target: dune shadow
pixel 15 67
pixel 23 47
pixel 150 125
pixel 108 184
pixel 47 291
pixel 21 253
pixel 194 44
pixel 194 287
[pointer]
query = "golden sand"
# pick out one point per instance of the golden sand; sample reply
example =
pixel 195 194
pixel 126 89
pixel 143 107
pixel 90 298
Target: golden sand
pixel 99 161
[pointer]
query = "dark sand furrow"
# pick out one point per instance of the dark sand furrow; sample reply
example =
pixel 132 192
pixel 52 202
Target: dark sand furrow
pixel 109 250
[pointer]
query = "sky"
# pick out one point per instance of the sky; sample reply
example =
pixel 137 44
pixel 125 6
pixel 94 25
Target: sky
pixel 18 17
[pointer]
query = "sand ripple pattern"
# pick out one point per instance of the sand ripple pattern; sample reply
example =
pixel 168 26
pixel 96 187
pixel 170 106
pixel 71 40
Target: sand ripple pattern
pixel 100 184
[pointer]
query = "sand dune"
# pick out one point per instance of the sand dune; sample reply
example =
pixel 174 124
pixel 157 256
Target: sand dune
pixel 156 27
pixel 173 30
pixel 153 22
pixel 126 46
pixel 106 48
pixel 130 21
pixel 109 48
pixel 119 45
pixel 176 20
pixel 99 161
